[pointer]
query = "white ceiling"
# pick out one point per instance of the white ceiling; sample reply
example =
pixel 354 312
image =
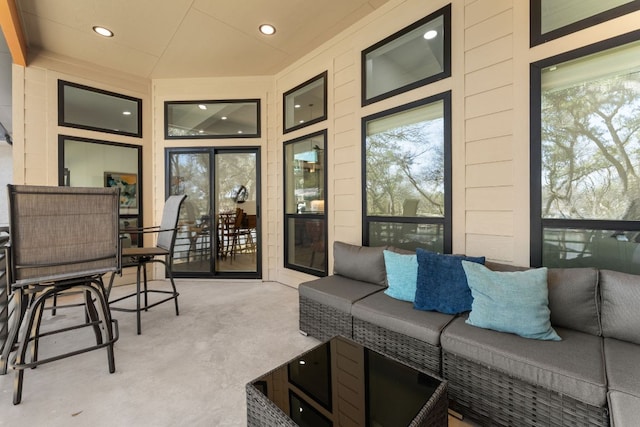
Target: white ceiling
pixel 188 38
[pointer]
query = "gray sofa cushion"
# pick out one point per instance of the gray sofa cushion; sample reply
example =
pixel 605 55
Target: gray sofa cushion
pixel 620 301
pixel 573 366
pixel 360 263
pixel 498 266
pixel 622 360
pixel 624 409
pixel 400 316
pixel 336 291
pixel 573 299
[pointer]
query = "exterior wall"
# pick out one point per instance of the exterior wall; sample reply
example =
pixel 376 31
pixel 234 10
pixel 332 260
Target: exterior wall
pixel 490 107
pixel 35 119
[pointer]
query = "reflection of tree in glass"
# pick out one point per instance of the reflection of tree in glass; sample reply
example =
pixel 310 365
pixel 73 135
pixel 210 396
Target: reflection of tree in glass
pixel 591 150
pixel 232 171
pixel 403 163
pixel 190 176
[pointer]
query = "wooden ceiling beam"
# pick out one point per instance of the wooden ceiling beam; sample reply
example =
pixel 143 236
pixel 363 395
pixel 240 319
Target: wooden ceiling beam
pixel 12 29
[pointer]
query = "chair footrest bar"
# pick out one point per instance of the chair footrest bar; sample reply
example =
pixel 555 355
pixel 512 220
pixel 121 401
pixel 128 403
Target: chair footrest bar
pixel 27 365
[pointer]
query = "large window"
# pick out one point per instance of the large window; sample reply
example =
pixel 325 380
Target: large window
pixel 586 157
pixel 407 176
pixel 84 162
pixel 551 19
pixel 305 197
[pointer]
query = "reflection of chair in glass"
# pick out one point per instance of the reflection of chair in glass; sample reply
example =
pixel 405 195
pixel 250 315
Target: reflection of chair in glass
pixel 140 257
pixel 315 232
pixel 242 233
pixel 198 231
pixel 62 239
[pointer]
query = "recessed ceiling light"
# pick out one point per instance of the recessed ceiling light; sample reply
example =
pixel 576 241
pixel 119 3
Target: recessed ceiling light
pixel 239 131
pixel 202 106
pixel 223 118
pixel 126 113
pixel 431 34
pixel 105 32
pixel 296 106
pixel 267 29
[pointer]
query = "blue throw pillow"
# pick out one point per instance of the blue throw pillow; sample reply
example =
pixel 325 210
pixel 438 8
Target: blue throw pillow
pixel 402 272
pixel 515 302
pixel 441 284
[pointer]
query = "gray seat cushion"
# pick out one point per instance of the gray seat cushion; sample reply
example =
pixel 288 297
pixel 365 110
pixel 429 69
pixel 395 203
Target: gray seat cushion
pixel 337 291
pixel 620 302
pixel 622 360
pixel 624 409
pixel 573 366
pixel 400 316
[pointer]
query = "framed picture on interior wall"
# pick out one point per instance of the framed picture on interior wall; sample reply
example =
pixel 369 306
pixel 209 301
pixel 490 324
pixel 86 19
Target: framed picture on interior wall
pixel 305 104
pixel 128 185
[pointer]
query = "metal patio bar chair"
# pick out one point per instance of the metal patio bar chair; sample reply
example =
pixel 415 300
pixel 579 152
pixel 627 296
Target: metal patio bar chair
pixel 139 257
pixel 61 239
pixel 7 313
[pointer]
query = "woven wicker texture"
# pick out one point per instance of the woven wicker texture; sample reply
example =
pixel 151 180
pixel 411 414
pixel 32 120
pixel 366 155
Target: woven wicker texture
pixel 435 411
pixel 411 351
pixel 323 322
pixel 494 398
pixel 263 412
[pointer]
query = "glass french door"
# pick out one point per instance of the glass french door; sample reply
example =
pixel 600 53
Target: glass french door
pixel 219 227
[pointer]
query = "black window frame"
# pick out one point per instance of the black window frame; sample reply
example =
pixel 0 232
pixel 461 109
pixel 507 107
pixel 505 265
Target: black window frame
pixel 445 12
pixel 446 221
pixel 62 173
pixel 63 122
pixel 257 134
pixel 536 37
pixel 537 223
pixel 322 76
pixel 289 216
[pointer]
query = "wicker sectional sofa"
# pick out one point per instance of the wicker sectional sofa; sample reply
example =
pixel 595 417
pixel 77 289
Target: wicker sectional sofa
pixel 590 377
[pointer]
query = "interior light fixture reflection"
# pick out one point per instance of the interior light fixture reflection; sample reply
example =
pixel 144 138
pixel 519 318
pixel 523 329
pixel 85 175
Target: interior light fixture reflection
pixel 202 106
pixel 126 113
pixel 431 34
pixel 223 118
pixel 105 32
pixel 296 106
pixel 267 29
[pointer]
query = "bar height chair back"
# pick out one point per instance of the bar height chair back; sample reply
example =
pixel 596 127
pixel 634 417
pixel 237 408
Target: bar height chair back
pixel 139 257
pixel 61 239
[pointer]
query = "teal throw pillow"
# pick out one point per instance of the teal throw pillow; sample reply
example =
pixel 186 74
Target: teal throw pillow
pixel 402 272
pixel 441 284
pixel 515 302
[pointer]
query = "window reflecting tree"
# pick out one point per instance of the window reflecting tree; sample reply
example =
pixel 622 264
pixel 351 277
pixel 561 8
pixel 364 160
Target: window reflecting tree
pixel 407 175
pixel 591 150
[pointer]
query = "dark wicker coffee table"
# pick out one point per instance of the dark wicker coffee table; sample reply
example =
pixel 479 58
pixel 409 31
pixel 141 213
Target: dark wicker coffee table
pixel 341 382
